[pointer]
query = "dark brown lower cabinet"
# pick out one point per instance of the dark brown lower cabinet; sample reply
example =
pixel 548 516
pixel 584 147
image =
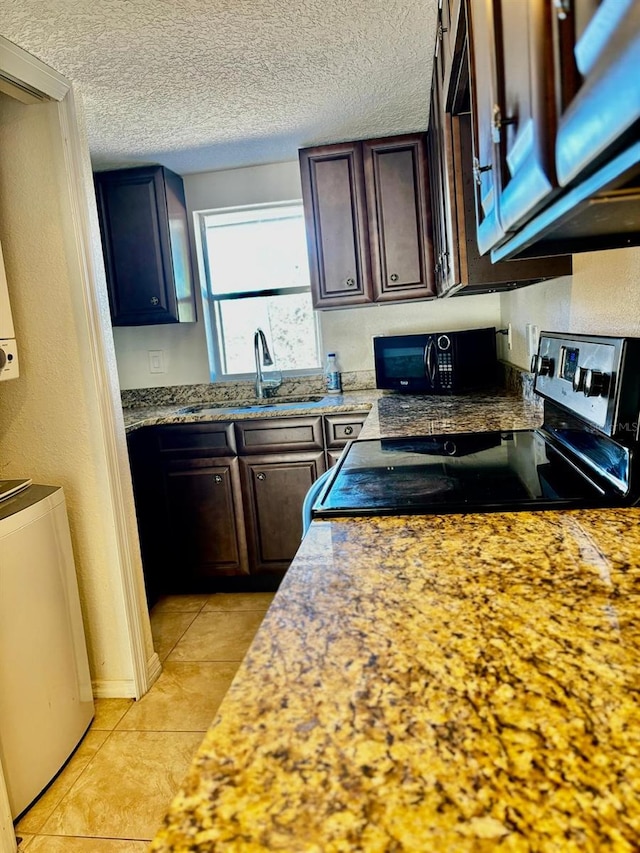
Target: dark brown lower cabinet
pixel 219 505
pixel 205 525
pixel 274 487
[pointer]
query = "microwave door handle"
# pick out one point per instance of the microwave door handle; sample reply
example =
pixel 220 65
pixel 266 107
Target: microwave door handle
pixel 429 365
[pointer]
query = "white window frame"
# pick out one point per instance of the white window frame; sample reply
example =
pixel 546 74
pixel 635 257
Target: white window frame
pixel 210 301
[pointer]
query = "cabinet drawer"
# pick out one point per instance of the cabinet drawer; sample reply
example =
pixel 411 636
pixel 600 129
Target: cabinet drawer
pixel 212 439
pixel 339 429
pixel 278 435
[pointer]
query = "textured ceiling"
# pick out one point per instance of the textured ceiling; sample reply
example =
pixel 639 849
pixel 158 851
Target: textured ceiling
pixel 215 84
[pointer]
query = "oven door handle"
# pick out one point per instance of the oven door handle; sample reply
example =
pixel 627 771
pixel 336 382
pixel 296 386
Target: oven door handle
pixel 430 364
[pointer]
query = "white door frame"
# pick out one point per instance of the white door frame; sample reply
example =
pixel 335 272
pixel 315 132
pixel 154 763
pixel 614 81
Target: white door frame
pixel 29 80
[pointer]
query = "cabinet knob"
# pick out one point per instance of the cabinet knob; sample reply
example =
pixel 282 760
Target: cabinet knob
pixel 217 478
pixel 478 169
pixel 350 282
pixel 154 300
pixel 562 8
pixel 261 475
pixel 348 430
pixel 394 276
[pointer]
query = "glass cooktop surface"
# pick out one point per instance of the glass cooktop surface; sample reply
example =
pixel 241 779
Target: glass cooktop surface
pixel 467 472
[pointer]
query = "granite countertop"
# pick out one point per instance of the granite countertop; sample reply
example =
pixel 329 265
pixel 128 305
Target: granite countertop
pixel 389 414
pixel 441 683
pixel 398 415
pixel 234 410
pixel 434 683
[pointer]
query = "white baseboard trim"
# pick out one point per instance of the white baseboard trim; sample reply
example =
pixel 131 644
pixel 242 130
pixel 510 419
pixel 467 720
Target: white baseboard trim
pixel 123 689
pixel 154 668
pixel 126 688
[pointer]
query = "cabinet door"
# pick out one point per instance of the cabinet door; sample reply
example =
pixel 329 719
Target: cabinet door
pixel 336 221
pixel 484 95
pixel 143 225
pixel 515 113
pixel 524 115
pixel 478 273
pixel 274 487
pixel 601 95
pixel 206 536
pixel 399 215
pixel 443 202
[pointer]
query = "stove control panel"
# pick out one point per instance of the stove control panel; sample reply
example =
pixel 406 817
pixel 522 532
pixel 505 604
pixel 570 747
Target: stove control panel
pixel 594 377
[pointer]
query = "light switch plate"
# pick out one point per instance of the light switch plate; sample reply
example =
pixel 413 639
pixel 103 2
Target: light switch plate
pixel 533 335
pixel 156 361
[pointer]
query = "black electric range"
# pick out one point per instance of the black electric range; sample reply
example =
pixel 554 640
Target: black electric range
pixel 584 455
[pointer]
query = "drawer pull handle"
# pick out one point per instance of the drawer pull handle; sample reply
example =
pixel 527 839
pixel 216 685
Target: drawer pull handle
pixel 350 282
pixel 217 478
pixel 394 276
pixel 261 475
pixel 154 300
pixel 348 430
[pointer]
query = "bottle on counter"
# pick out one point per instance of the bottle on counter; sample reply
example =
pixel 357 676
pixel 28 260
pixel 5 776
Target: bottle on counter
pixel 332 379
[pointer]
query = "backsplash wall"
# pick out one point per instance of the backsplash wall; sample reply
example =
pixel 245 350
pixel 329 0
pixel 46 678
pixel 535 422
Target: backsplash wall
pixel 349 332
pixel 601 297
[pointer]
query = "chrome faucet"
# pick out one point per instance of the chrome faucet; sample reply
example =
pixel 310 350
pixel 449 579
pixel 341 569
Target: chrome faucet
pixel 264 387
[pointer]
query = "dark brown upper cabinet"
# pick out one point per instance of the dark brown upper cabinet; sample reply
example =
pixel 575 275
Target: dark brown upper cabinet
pixel 335 210
pixel 516 109
pixel 367 212
pixel 396 181
pixel 143 223
pixel 556 124
pixel 460 269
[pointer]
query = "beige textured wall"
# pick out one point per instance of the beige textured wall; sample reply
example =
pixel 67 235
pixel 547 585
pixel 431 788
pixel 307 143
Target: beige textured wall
pixel 546 305
pixel 602 296
pixel 48 417
pixel 605 297
pixel 349 332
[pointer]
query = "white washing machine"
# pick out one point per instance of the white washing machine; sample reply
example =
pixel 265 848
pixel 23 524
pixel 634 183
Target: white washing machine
pixel 46 701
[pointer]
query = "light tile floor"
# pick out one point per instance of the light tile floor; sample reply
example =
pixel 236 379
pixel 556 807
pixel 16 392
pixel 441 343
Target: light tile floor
pixel 112 795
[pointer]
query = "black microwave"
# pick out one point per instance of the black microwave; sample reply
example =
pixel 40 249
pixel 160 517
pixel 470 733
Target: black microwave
pixel 436 362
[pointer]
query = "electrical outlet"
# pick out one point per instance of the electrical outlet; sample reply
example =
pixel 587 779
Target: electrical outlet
pixel 156 361
pixel 509 338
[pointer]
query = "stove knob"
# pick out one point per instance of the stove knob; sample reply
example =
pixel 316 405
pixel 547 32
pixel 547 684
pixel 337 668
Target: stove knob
pixel 578 379
pixel 596 383
pixel 542 365
pixel 3 358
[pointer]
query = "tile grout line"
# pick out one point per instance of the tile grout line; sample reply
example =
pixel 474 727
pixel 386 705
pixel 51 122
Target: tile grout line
pixel 110 732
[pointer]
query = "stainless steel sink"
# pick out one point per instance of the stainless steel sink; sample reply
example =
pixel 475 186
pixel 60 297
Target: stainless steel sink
pixel 268 404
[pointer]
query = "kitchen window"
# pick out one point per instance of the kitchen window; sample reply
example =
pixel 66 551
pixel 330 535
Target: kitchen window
pixel 256 274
